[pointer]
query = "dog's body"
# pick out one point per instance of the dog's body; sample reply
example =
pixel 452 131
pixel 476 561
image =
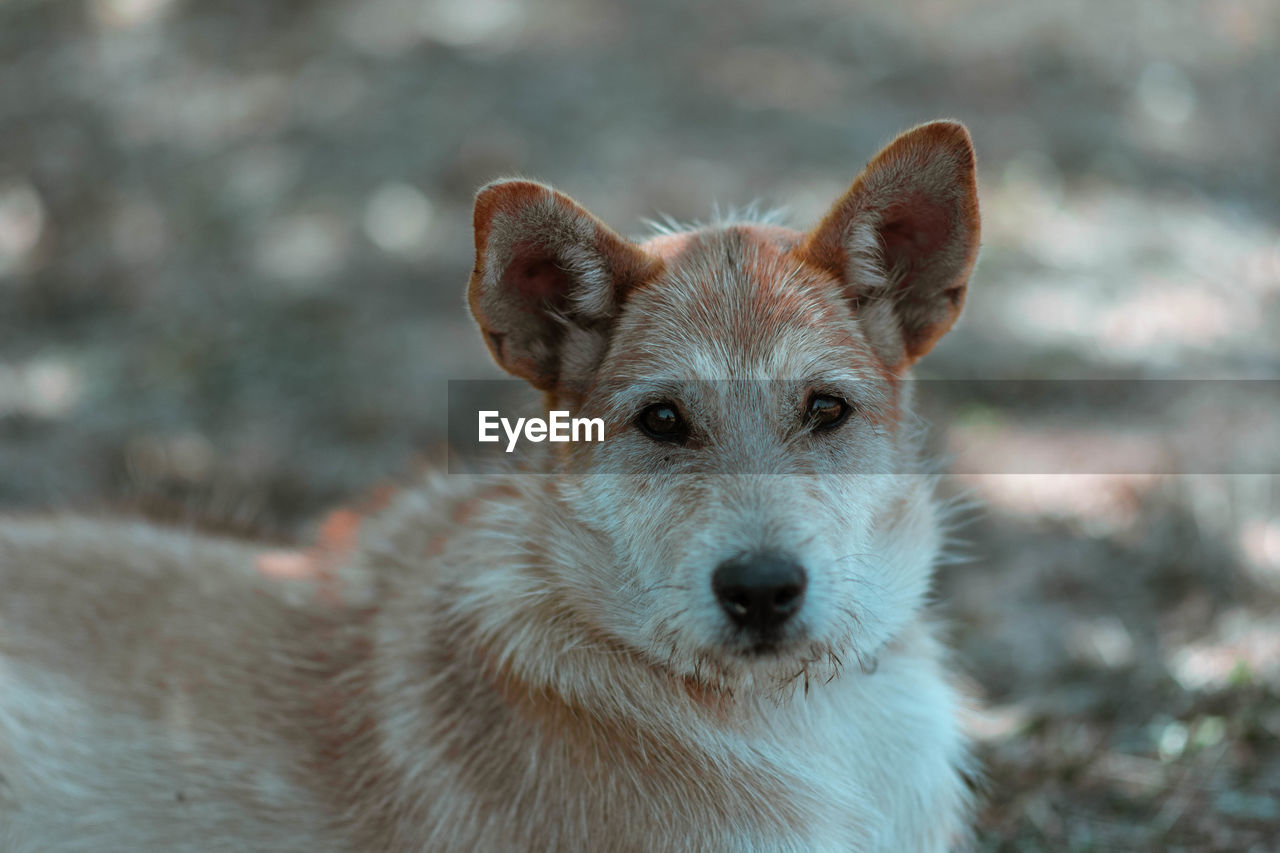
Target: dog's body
pixel 705 633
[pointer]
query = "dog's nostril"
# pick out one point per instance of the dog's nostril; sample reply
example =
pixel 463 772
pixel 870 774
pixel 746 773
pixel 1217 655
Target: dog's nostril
pixel 759 591
pixel 788 596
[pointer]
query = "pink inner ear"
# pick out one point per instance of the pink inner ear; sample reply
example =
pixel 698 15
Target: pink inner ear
pixel 534 275
pixel 912 229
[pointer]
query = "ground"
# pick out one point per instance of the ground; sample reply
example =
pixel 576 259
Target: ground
pixel 234 237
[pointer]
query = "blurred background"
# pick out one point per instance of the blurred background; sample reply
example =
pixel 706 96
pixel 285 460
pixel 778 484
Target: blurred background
pixel 234 237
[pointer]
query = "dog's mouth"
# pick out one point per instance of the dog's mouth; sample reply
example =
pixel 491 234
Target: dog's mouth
pixel 758 647
pixel 786 645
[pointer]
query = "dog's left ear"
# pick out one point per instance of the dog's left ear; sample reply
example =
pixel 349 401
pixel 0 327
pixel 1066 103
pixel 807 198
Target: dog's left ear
pixel 548 282
pixel 904 238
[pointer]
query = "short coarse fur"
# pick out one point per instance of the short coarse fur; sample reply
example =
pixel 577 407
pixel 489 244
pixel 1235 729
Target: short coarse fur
pixel 541 662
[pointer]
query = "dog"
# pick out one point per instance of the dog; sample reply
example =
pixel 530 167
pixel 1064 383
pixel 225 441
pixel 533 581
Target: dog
pixel 708 631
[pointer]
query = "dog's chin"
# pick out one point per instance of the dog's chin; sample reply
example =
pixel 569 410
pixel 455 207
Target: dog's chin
pixel 773 665
pixel 777 666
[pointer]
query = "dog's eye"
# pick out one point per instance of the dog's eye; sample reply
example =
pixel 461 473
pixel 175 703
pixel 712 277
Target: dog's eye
pixel 662 422
pixel 825 412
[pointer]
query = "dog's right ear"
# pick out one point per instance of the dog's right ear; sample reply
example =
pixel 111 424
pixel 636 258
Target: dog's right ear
pixel 548 282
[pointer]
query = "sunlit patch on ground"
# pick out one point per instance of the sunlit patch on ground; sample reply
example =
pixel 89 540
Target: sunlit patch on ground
pixel 1243 647
pixel 1153 279
pixel 42 388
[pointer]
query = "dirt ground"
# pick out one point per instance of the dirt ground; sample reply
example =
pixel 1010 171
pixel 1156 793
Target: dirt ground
pixel 234 236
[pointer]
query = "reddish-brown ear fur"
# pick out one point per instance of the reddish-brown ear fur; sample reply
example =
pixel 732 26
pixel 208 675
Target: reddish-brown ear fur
pixel 544 268
pixel 907 232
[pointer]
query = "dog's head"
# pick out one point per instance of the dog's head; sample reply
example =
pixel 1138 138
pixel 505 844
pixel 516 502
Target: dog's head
pixel 752 508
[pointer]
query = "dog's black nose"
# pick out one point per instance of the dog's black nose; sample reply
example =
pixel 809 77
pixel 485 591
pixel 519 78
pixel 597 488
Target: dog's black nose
pixel 759 591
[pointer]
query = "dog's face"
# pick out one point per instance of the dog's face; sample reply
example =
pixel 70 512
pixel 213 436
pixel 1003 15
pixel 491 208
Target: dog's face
pixel 754 494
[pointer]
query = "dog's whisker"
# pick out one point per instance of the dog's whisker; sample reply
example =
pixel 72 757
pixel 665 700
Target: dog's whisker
pixel 675 586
